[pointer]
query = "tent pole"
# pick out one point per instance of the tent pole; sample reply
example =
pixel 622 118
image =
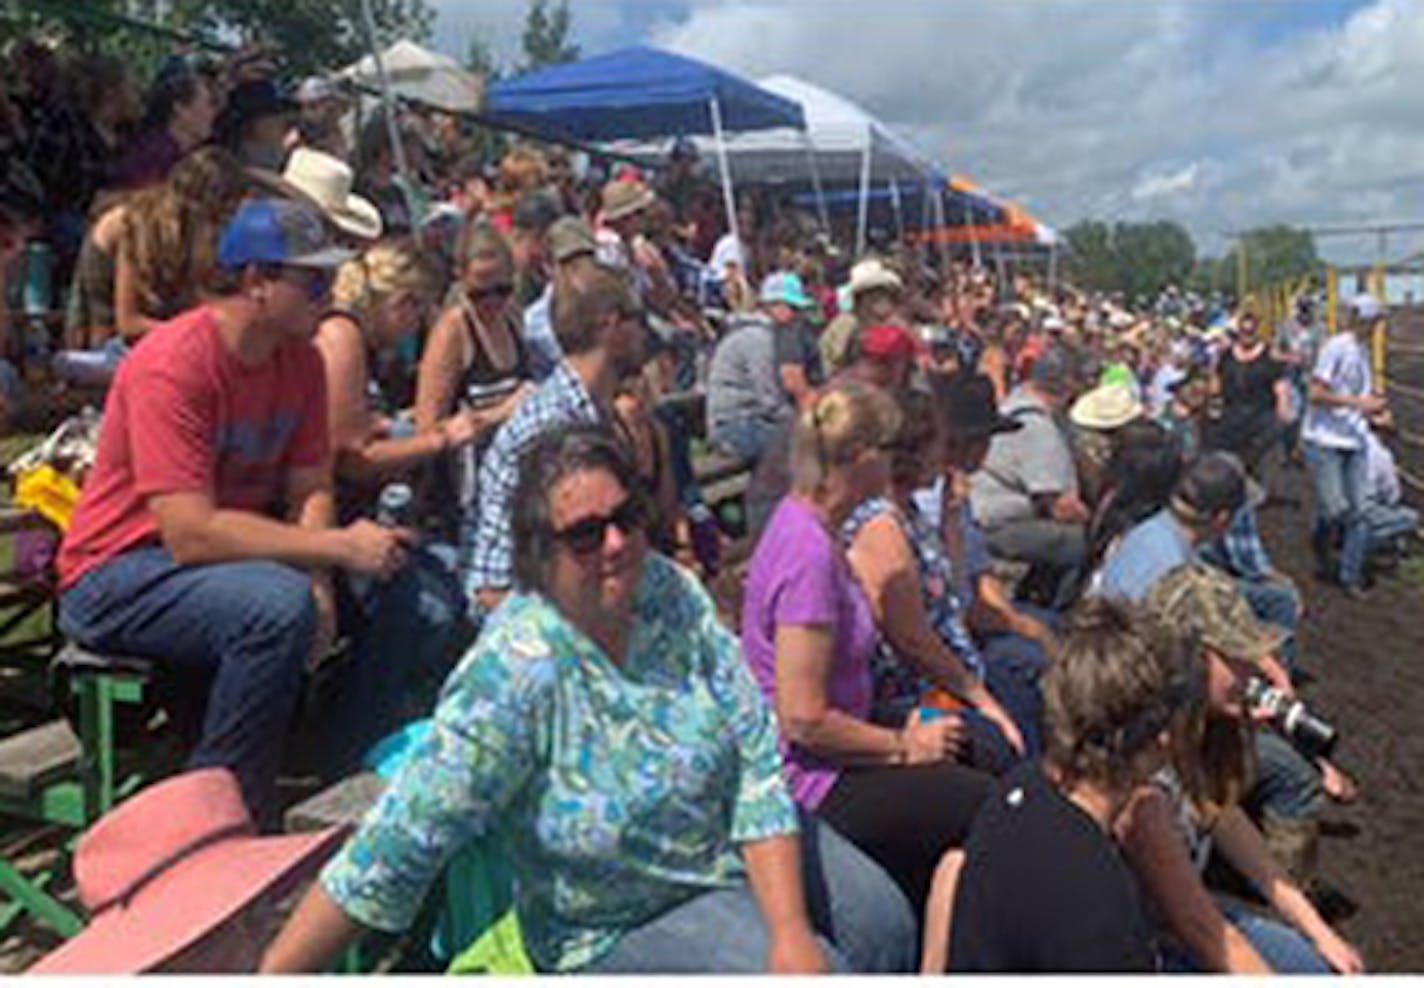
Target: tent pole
pixel 973 232
pixel 941 229
pixel 728 199
pixel 864 216
pixel 388 108
pixel 816 183
pixel 899 210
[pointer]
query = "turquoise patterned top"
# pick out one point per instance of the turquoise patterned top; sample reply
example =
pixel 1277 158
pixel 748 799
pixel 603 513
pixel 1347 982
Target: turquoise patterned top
pixel 619 791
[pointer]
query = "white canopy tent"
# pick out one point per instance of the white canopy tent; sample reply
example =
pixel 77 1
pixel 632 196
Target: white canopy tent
pixel 843 145
pixel 417 74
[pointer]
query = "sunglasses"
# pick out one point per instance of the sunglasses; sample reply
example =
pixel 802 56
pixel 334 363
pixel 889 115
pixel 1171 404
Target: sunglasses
pixel 586 537
pixel 500 291
pixel 316 281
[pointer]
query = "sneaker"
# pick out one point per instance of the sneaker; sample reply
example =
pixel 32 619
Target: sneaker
pixel 1354 591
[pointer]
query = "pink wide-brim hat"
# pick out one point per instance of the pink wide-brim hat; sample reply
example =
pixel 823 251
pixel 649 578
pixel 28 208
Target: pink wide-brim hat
pixel 170 866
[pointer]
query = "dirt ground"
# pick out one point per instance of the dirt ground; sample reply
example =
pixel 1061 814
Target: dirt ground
pixel 1366 660
pixel 1367 657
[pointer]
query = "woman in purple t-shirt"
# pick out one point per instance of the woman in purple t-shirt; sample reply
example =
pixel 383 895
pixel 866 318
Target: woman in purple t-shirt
pixel 808 634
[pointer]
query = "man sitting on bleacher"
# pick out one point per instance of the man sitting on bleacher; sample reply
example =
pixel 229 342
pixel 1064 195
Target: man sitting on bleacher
pixel 203 540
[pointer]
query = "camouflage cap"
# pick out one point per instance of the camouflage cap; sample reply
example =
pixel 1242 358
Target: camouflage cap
pixel 1202 602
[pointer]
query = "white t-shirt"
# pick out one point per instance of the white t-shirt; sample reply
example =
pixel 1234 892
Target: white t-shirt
pixel 729 250
pixel 1344 367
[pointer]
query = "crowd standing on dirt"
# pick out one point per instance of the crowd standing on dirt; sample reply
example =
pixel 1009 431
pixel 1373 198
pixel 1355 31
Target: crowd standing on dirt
pixel 1000 609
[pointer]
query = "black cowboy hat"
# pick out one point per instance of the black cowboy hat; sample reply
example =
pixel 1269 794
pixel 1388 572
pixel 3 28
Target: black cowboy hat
pixel 969 407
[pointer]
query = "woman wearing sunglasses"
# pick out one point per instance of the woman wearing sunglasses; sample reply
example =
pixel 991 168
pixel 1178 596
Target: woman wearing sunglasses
pixel 474 360
pixel 809 633
pixel 605 726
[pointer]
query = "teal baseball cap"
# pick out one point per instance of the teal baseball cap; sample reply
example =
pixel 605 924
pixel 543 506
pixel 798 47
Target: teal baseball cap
pixel 783 286
pixel 278 231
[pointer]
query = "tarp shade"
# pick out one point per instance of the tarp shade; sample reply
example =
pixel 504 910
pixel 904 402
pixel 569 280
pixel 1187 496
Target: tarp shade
pixel 637 92
pixel 959 209
pixel 421 76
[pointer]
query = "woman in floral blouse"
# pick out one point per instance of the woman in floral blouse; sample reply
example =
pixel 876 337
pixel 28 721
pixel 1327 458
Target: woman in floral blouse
pixel 606 728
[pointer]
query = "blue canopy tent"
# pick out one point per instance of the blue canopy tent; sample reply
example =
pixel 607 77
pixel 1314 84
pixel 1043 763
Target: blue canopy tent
pixel 641 92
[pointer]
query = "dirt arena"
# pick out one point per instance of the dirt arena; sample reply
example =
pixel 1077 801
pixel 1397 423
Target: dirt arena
pixel 1367 658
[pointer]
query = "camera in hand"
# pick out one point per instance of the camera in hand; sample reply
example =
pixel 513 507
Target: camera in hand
pixel 395 508
pixel 1312 736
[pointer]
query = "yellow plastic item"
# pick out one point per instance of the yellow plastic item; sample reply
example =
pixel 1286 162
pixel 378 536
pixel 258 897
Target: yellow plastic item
pixel 46 491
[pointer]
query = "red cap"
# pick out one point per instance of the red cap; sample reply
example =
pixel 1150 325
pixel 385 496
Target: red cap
pixel 888 341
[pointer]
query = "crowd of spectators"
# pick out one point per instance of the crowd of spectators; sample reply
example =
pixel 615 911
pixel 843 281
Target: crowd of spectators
pixel 1001 583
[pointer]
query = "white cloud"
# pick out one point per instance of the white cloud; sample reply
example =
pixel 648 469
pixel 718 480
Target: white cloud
pixel 1080 107
pixel 1220 115
pixel 1163 185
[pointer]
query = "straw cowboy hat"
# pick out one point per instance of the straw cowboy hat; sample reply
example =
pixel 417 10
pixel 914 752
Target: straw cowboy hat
pixel 326 181
pixel 1106 407
pixel 872 274
pixel 624 197
pixel 177 862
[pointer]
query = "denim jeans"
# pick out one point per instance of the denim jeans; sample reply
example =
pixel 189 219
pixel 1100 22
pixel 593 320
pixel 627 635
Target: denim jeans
pixel 1014 668
pixel 248 625
pixel 863 920
pixel 746 439
pixel 1387 522
pixel 1339 477
pixel 401 633
pixel 1284 950
pixel 1276 602
pixel 1286 783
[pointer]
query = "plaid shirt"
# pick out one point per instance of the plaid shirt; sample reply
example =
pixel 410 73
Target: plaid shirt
pixel 1240 550
pixel 561 400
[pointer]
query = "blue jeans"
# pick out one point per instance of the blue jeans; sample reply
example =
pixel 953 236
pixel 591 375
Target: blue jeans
pixel 1339 477
pixel 1387 522
pixel 746 439
pixel 1286 783
pixel 1276 602
pixel 1014 667
pixel 860 915
pixel 248 625
pixel 1284 950
pixel 401 632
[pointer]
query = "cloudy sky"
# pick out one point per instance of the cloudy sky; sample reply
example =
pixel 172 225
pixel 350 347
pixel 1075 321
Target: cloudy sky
pixel 1217 114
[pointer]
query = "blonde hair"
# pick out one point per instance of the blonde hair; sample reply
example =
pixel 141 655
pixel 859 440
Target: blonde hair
pixel 839 424
pixel 384 270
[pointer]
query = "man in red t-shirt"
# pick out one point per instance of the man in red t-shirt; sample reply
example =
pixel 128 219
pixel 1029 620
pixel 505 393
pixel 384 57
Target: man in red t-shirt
pixel 204 537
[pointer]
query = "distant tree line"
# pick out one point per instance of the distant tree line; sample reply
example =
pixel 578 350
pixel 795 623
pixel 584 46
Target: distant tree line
pixel 1140 259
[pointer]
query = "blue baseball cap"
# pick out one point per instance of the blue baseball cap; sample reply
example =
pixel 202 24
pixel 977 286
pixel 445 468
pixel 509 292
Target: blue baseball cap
pixel 783 286
pixel 278 231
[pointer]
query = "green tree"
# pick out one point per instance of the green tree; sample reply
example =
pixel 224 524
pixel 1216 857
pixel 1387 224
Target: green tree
pixel 480 58
pixel 1274 254
pixel 313 35
pixel 546 38
pixel 1138 259
pixel 1088 256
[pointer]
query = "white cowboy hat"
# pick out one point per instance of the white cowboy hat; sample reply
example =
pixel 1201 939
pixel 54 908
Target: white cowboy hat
pixel 1106 407
pixel 327 182
pixel 871 274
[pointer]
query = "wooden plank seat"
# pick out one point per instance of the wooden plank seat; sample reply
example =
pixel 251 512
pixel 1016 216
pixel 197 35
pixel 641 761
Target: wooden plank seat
pixel 343 803
pixel 34 758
